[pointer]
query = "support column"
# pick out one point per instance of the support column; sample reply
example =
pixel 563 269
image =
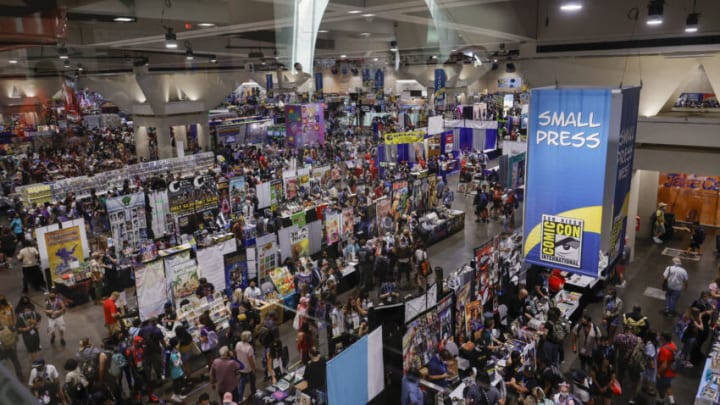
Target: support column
pixel 203 135
pixel 142 142
pixel 643 201
pixel 165 148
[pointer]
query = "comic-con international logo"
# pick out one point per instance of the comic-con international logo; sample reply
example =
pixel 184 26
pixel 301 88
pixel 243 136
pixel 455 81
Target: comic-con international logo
pixel 562 240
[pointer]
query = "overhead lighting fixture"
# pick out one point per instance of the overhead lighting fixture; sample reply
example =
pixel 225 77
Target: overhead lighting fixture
pixel 691 25
pixel 213 59
pixel 124 19
pixel 368 15
pixel 63 53
pixel 12 61
pixel 494 60
pixel 66 63
pixel 571 6
pixel 170 39
pixel 80 67
pixel 354 12
pixel 434 56
pixel 343 56
pixel 375 59
pixel 323 31
pixel 189 55
pixel 655 12
pixel 205 25
pixel 365 34
pixel 393 46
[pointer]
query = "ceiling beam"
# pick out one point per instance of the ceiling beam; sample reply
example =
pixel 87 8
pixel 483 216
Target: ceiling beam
pixel 459 27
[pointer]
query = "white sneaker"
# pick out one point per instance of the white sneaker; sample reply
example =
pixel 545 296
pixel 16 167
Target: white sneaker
pixel 178 399
pixel 621 285
pixel 657 240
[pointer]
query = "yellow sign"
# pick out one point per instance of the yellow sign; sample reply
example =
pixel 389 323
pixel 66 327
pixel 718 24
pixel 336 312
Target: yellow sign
pixel 398 138
pixel 562 240
pixel 64 250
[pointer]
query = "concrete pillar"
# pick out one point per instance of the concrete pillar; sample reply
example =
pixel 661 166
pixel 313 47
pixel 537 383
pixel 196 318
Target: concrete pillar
pixel 142 142
pixel 203 135
pixel 165 148
pixel 643 201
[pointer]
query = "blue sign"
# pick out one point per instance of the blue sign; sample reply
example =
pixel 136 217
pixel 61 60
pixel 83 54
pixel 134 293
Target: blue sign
pixel 623 178
pixel 268 81
pixel 379 79
pixel 567 180
pixel 440 79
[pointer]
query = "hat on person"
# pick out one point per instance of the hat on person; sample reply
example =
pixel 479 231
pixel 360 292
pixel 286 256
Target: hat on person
pixel 38 363
pixel 137 339
pixel 677 260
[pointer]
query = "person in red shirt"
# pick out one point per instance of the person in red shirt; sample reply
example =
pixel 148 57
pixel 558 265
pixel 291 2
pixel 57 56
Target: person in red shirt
pixel 112 324
pixel 665 374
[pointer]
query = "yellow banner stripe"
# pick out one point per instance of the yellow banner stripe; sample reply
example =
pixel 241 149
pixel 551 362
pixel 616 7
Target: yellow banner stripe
pixel 592 217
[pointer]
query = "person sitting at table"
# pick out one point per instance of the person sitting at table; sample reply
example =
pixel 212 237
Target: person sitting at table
pixel 205 289
pixel 252 292
pixel 514 378
pixel 487 336
pixel 438 369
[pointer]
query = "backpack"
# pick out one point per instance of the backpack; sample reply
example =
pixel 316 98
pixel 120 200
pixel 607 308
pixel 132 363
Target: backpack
pixel 677 363
pixel 636 326
pixel 117 363
pixel 77 393
pixel 560 330
pixel 555 375
pixel 638 358
pixel 89 364
pixel 264 336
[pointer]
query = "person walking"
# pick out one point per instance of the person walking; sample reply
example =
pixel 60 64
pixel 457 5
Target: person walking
pixel 223 374
pixel 29 258
pixel 8 336
pixel 676 278
pixel 55 312
pixel 245 353
pixel 27 324
pixel 585 338
pixel 175 371
pixel 665 374
pixel 112 315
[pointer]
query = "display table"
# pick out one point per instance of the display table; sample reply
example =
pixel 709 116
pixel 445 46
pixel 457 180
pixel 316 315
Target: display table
pixel 77 293
pixel 435 231
pixel 568 303
pixel 282 392
pixel 708 392
pixel 267 306
pixel 576 282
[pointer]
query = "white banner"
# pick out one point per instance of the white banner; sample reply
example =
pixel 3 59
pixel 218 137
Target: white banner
pixel 151 299
pixel 182 275
pixel 211 266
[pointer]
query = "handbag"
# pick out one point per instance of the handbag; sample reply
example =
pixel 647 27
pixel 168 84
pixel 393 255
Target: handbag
pixel 615 387
pixel 665 284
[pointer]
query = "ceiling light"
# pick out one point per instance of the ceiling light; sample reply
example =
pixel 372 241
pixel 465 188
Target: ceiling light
pixel 12 61
pixel 453 50
pixel 205 25
pixel 477 62
pixel 655 12
pixel 393 46
pixel 80 67
pixel 368 15
pixel 343 56
pixel 323 31
pixel 213 59
pixel 434 56
pixel 170 39
pixel 66 63
pixel 692 23
pixel 364 34
pixel 375 59
pixel 354 12
pixel 124 19
pixel 62 53
pixel 494 60
pixel 571 6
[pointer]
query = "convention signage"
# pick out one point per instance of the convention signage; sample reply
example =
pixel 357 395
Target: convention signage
pixel 572 173
pixel 440 80
pixel 398 138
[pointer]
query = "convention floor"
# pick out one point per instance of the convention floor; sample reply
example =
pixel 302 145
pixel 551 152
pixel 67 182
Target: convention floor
pixel 87 320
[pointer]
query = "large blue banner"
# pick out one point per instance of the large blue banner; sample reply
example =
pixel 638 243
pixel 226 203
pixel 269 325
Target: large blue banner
pixel 623 178
pixel 319 84
pixel 379 79
pixel 568 179
pixel 440 79
pixel 268 81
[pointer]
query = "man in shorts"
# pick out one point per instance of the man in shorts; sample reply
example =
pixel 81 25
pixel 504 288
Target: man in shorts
pixel 55 311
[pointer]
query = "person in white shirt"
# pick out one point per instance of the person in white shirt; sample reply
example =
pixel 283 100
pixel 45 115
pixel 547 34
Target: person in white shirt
pixel 47 371
pixel 252 292
pixel 677 280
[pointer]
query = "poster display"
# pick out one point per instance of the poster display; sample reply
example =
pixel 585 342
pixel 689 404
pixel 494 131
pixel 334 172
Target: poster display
pixel 128 222
pixel 236 270
pixel 151 299
pixel 237 196
pixel 420 341
pixel 299 218
pixel 303 176
pixel 332 228
pixel 473 318
pixel 322 175
pixel 263 194
pixel 211 264
pixel 572 145
pixel 305 125
pixel 182 275
pixel 691 197
pixel 283 281
pixel 444 311
pixel 348 223
pixel 462 298
pixel 291 187
pixel 194 202
pixel 299 243
pixel 400 197
pixel 266 254
pixel 64 251
pixel 485 259
pixel 382 211
pixel 162 219
pixel 276 194
pixel 401 138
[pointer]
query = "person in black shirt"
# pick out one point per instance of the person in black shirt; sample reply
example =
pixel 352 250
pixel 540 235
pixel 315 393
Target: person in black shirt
pixel 204 289
pixel 315 372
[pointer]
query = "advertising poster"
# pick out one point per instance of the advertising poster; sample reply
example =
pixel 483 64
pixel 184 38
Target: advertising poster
pixel 462 298
pixel 382 210
pixel 182 275
pixel 237 195
pixel 332 228
pixel 400 197
pixel 623 177
pixel 211 265
pixel 151 299
pixel 283 281
pixel 205 194
pixel 569 148
pixel 299 243
pixel 64 251
pixel 128 223
pixel 401 138
pixel 485 259
pixel 180 197
pixel 473 318
pixel 517 171
pixel 690 197
pixel 303 176
pixel 322 175
pixel 276 194
pixel 348 223
pixel 236 270
pixel 266 254
pixel 305 125
pixel 371 215
pixel 440 79
pixel 162 220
